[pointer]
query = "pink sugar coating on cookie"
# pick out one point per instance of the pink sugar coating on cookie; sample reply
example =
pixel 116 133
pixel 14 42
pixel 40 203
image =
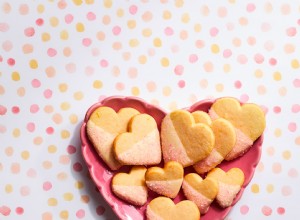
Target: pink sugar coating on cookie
pixel 226 194
pixel 243 142
pixel 209 162
pixel 169 188
pixel 145 152
pixel 152 215
pixel 200 200
pixel 136 195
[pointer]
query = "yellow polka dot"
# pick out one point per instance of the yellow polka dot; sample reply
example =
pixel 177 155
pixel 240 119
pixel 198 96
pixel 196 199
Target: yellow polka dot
pixel 142 59
pixel 9 188
pixel 215 48
pixel 80 27
pixel 78 95
pixel 77 2
pixel 295 64
pixel 52 202
pixel 167 91
pixel 179 3
pixel 52 149
pixel 135 91
pixel 147 32
pixel 46 37
pixel 73 118
pixel 167 15
pixel 258 73
pixel 16 132
pixel 185 18
pixel 63 87
pixel 164 62
pixel 64 35
pixel 226 68
pixel 38 140
pixel 255 188
pixel 231 1
pixel 97 84
pixel 89 2
pixel 219 87
pixel 54 21
pixel 120 12
pixel 197 27
pixel 33 64
pixel 286 154
pixel 133 42
pixel 270 188
pixel 131 24
pixel 79 185
pixel 15 76
pixel 277 132
pixel 25 155
pixel 65 134
pixel 40 8
pixel 277 76
pixel 65 106
pixel 107 3
pixel 157 42
pixel 68 196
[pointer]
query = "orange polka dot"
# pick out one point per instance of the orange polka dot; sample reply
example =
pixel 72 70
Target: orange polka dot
pixel 48 109
pixel 73 118
pixel 208 66
pixel 100 35
pixel 297 140
pixel 85 198
pixel 9 151
pixel 50 71
pixel 47 164
pixel 21 91
pixel 106 20
pixel 57 118
pixel 62 176
pixel 27 48
pixel 38 140
pixel 47 216
pixel 15 168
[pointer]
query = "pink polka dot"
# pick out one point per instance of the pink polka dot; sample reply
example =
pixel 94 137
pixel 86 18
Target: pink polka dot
pixel 179 70
pixel 293 173
pixel 71 149
pixel 48 93
pixel 71 67
pixel 35 83
pixel 5 210
pixel 199 44
pixel 7 45
pixel 259 58
pixel 47 186
pixel 4 27
pixel 86 42
pixel 11 61
pixel 25 190
pixel 50 130
pixel 68 18
pixel 265 27
pixel 90 16
pixel 132 72
pixel 31 173
pixel 15 109
pixel 2 129
pixel 51 52
pixel 291 32
pixel 80 213
pixel 193 58
pixel 89 70
pixel 244 209
pixel 251 7
pixel 181 84
pixel 292 126
pixel 77 167
pixel 295 108
pixel 133 9
pixel 29 32
pixel 237 84
pixel 296 83
pixel 266 210
pixel 100 210
pixel 19 210
pixel 280 210
pixel 3 110
pixel 227 53
pixel 34 108
pixel 230 26
pixel 242 59
pixel 168 31
pixel 213 31
pixel 30 127
pixel 103 63
pixel 39 22
pixel 286 191
pixel 272 61
pixel 120 86
pixel 116 30
pixel 276 109
pixel 244 98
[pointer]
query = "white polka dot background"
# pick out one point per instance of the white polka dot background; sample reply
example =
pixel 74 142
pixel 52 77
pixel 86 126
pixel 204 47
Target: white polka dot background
pixel 57 58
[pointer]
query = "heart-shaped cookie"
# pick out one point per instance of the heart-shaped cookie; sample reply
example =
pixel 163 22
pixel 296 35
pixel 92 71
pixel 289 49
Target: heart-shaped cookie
pixel 162 208
pixel 165 181
pixel 131 187
pixel 183 140
pixel 141 145
pixel 225 139
pixel 230 184
pixel 103 126
pixel 248 119
pixel 201 192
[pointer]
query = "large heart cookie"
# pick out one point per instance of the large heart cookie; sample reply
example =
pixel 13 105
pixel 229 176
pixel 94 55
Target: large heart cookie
pixel 131 187
pixel 141 145
pixel 230 184
pixel 103 126
pixel 165 181
pixel 162 208
pixel 225 139
pixel 248 119
pixel 200 191
pixel 183 140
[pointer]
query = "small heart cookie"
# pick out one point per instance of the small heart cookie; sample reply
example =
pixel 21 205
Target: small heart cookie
pixel 141 145
pixel 103 126
pixel 201 192
pixel 162 208
pixel 183 140
pixel 165 181
pixel 248 119
pixel 225 139
pixel 131 187
pixel 230 184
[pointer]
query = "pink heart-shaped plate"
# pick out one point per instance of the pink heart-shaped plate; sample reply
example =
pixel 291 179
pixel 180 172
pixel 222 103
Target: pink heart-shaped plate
pixel 102 175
